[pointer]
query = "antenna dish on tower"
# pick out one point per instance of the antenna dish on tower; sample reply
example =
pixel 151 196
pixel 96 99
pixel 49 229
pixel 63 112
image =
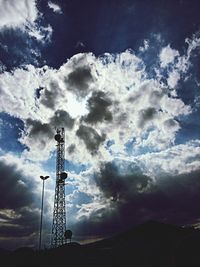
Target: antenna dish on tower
pixel 68 235
pixel 57 137
pixel 63 175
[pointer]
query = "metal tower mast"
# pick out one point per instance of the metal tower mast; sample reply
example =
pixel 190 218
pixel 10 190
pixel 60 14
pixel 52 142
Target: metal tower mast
pixel 59 213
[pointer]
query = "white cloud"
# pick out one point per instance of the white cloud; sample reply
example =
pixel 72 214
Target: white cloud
pixel 179 64
pixel 17 13
pixel 178 159
pixel 140 108
pixel 18 92
pixel 56 8
pixel 42 34
pixel 137 104
pixel 173 79
pixel 175 107
pixel 145 46
pixel 93 209
pixel 167 55
pixel 23 15
pixel 193 43
pixel 183 62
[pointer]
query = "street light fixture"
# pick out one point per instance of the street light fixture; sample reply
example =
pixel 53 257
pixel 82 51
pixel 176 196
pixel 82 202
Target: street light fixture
pixel 43 179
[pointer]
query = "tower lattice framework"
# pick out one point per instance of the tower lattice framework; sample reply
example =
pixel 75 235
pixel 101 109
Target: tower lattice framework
pixel 59 212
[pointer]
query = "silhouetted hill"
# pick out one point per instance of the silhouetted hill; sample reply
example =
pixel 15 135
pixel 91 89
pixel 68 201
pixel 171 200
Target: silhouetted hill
pixel 150 244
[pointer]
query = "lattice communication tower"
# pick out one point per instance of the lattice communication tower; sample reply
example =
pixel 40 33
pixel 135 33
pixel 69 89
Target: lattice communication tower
pixel 59 213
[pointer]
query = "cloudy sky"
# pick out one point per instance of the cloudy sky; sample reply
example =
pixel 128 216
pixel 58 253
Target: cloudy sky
pixel 122 78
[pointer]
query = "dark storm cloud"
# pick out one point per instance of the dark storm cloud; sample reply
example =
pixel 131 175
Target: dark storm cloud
pixel 62 118
pixel 78 80
pixel 19 217
pixel 120 187
pixel 50 95
pixel 90 137
pixel 136 198
pixel 71 149
pixel 155 97
pixel 16 195
pixel 20 230
pixel 15 191
pixel 39 129
pixel 146 115
pixel 170 123
pixel 98 105
pixel 25 223
pixel 43 132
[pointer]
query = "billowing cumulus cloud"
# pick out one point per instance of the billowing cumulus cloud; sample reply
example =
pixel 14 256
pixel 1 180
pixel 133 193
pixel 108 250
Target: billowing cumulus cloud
pixel 43 133
pixel 50 95
pixel 79 80
pixel 167 56
pixel 146 115
pixel 90 137
pixel 21 100
pixel 62 118
pixel 98 105
pixel 92 96
pixel 121 128
pixel 71 148
pixel 173 78
pixel 37 129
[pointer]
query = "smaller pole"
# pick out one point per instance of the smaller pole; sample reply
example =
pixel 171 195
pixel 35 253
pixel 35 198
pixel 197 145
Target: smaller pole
pixel 41 216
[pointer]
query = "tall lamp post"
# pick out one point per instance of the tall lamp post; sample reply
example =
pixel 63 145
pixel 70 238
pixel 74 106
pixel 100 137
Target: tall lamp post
pixel 43 179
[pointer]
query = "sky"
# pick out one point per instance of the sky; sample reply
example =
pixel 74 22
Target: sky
pixel 122 78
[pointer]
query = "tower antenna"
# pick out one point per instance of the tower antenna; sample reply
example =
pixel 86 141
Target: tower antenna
pixel 59 213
